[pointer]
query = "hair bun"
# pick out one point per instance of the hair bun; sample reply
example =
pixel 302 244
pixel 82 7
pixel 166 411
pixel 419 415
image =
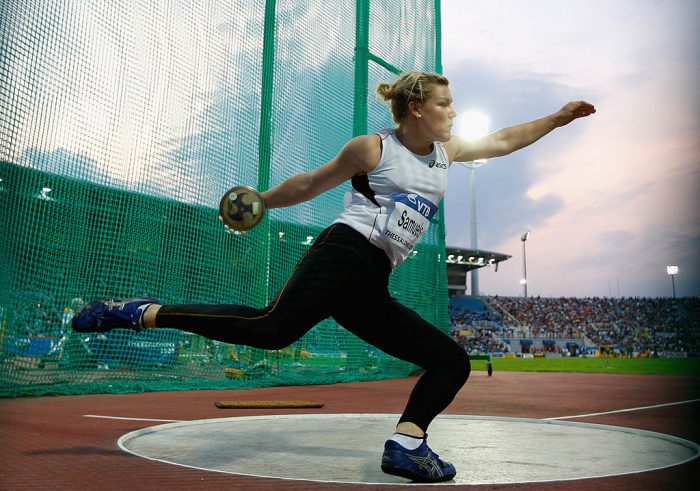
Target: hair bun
pixel 385 91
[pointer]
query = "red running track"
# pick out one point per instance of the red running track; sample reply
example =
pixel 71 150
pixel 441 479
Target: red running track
pixel 50 443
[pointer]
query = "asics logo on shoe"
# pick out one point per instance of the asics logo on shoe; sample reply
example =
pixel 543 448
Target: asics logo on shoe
pixel 120 304
pixel 112 304
pixel 428 464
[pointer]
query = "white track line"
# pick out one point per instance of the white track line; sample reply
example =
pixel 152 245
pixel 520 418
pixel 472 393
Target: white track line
pixel 626 410
pixel 132 419
pixel 641 408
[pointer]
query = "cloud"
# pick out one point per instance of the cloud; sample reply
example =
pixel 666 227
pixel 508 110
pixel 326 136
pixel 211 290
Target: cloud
pixel 503 203
pixel 613 196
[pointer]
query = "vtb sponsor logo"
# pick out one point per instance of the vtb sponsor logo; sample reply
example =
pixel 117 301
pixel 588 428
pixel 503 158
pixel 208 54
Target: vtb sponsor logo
pixel 422 205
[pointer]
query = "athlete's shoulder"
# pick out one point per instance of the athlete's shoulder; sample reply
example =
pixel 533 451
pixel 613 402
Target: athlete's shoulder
pixel 364 151
pixel 364 143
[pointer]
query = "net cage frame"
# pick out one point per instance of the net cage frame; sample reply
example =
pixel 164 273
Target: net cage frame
pixel 76 228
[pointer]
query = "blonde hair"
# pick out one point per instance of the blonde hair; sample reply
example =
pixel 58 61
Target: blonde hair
pixel 409 86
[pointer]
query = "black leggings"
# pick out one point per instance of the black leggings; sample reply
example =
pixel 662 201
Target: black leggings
pixel 345 277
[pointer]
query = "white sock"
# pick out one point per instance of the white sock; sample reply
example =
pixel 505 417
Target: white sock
pixel 407 442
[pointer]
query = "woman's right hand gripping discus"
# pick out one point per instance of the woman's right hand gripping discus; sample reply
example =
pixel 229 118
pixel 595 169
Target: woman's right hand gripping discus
pixel 241 208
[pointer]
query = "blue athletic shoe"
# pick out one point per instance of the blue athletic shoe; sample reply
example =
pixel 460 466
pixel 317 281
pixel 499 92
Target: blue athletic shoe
pixel 419 465
pixel 104 315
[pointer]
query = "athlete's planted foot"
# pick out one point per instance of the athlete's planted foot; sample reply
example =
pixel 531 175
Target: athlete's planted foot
pixel 419 465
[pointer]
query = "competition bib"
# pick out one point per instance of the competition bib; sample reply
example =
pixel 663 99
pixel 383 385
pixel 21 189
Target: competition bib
pixel 410 219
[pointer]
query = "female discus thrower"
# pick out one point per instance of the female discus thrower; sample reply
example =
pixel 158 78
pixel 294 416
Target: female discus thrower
pixel 398 176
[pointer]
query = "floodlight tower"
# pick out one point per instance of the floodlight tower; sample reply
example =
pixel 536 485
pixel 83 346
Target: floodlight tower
pixel 672 271
pixel 523 281
pixel 475 124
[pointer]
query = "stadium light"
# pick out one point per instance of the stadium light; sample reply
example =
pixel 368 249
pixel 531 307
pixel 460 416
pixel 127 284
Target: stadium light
pixel 672 271
pixel 523 281
pixel 473 125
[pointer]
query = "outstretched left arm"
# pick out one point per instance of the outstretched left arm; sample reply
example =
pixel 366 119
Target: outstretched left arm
pixel 512 138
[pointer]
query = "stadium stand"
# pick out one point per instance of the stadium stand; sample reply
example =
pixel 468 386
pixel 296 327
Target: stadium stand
pixel 573 326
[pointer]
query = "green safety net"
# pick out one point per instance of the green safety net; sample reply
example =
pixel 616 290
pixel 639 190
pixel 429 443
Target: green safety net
pixel 122 123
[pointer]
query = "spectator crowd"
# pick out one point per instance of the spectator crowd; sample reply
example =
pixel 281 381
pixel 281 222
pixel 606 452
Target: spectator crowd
pixel 632 325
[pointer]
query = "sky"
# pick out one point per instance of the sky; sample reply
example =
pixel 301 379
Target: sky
pixel 611 200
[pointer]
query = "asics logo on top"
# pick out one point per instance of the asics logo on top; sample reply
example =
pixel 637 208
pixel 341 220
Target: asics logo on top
pixel 439 165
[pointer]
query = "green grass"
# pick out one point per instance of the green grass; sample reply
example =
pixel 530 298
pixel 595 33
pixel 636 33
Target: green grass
pixel 656 366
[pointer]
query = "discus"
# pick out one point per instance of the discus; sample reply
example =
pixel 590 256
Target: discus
pixel 241 208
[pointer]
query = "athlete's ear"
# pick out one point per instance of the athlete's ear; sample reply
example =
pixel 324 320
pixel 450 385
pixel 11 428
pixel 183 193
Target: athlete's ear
pixel 414 108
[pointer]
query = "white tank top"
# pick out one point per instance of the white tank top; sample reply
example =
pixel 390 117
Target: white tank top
pixel 392 205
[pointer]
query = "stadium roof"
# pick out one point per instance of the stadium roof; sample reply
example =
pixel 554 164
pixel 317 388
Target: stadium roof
pixel 460 261
pixel 468 259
